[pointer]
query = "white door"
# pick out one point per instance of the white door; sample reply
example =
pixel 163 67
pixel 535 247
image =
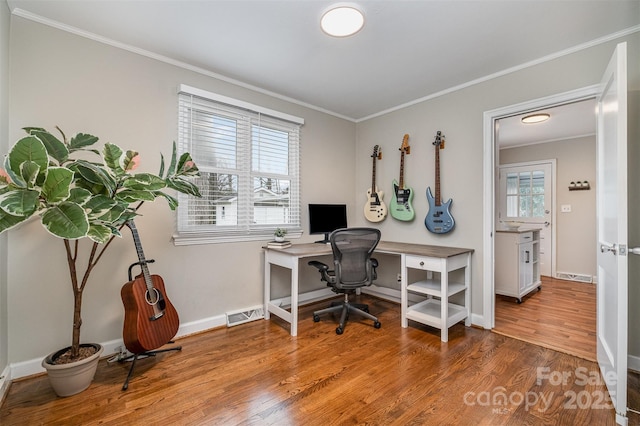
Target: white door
pixel 526 195
pixel 611 197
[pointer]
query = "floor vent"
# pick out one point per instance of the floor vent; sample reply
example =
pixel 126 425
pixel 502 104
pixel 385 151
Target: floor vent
pixel 241 317
pixel 574 277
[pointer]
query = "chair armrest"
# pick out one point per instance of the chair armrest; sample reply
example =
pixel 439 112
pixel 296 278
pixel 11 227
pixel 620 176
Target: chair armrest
pixel 321 266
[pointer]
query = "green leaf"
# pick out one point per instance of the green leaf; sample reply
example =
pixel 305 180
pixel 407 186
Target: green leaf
pixel 184 186
pixel 82 140
pixel 57 185
pixel 16 179
pixel 144 182
pixel 8 221
pixel 99 205
pixel 173 203
pixel 29 148
pixel 111 155
pixel 131 196
pixel 66 220
pixel 186 166
pixel 172 166
pixel 93 188
pixel 131 160
pixel 114 213
pixel 161 164
pixel 94 174
pixel 56 148
pixel 29 172
pixel 99 233
pixel 20 202
pixel 79 195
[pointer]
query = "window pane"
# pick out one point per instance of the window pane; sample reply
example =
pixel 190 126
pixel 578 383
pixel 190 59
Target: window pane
pixel 214 140
pixel 271 201
pixel 538 182
pixel 525 183
pixel 270 150
pixel 538 206
pixel 219 202
pixel 512 206
pixel 512 183
pixel 525 206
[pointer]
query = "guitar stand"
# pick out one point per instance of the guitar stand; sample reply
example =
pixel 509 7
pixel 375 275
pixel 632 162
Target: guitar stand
pixel 144 354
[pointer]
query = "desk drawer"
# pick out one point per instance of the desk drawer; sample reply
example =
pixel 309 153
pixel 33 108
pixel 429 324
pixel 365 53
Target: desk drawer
pixel 424 263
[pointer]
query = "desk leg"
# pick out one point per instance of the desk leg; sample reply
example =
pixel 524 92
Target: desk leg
pixel 444 302
pixel 294 298
pixel 404 296
pixel 267 285
pixel 467 295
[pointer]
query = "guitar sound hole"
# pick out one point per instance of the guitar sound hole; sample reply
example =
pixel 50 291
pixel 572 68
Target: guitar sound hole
pixel 156 297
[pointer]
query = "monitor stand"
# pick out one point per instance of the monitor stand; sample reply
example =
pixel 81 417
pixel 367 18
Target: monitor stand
pixel 326 239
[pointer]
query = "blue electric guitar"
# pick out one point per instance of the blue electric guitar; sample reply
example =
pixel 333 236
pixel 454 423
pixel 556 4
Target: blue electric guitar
pixel 439 219
pixel 400 205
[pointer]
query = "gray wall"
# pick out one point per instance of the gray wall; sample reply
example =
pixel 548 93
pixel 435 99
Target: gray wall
pixel 4 118
pixel 131 100
pixel 575 231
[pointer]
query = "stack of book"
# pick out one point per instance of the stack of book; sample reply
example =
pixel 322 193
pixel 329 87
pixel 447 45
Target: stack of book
pixel 279 244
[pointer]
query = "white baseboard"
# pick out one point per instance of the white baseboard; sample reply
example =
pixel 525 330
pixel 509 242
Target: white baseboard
pixel 633 363
pixel 31 367
pixel 5 380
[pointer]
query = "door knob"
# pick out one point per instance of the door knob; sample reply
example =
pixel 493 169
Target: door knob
pixel 635 250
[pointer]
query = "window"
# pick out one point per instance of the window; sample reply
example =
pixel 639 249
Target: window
pixel 525 194
pixel 248 158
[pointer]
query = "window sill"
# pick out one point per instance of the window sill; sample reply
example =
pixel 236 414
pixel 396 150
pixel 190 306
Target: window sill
pixel 187 239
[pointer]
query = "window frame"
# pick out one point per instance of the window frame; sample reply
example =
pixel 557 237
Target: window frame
pixel 254 115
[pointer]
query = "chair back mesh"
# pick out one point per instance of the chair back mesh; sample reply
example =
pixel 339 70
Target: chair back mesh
pixel 352 249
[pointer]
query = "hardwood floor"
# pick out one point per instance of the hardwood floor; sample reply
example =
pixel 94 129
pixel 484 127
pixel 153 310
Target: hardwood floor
pixel 257 374
pixel 562 316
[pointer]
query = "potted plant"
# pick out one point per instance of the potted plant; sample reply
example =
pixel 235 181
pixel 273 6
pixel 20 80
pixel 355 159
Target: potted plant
pixel 85 204
pixel 279 234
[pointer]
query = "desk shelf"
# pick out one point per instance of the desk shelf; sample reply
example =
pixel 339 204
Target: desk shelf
pixel 429 312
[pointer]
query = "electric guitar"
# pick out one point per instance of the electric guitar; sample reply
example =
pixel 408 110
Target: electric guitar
pixel 375 210
pixel 150 320
pixel 439 219
pixel 400 205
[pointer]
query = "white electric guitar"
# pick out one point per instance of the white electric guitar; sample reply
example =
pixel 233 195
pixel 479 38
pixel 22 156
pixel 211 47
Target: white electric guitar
pixel 375 209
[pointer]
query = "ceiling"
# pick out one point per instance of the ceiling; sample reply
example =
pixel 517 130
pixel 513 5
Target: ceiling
pixel 407 51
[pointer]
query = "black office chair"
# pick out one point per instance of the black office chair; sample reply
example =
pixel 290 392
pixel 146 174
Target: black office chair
pixel 353 268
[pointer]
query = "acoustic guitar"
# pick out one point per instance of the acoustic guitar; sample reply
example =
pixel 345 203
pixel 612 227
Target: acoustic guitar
pixel 439 219
pixel 400 206
pixel 150 320
pixel 374 209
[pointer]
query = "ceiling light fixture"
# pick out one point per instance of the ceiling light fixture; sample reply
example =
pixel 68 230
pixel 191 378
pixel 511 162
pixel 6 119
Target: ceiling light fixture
pixel 342 21
pixel 535 118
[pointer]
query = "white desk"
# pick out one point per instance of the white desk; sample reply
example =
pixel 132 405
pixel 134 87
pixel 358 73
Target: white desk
pixel 416 256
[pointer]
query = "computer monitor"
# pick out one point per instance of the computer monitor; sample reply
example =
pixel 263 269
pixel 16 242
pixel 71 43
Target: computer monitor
pixel 326 218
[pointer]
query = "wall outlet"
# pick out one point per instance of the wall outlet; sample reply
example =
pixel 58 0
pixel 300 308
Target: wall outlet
pixel 399 278
pixel 565 208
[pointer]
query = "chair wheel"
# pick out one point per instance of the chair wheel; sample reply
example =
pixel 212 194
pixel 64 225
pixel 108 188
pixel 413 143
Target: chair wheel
pixel 339 330
pixel 316 318
pixel 377 324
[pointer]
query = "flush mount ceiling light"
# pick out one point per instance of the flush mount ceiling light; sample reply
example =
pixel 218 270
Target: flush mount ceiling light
pixel 342 21
pixel 535 118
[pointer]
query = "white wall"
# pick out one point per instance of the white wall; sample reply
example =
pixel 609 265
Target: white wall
pixel 575 231
pixel 124 98
pixel 459 115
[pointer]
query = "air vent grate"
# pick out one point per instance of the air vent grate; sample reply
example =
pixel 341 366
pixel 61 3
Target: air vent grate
pixel 241 317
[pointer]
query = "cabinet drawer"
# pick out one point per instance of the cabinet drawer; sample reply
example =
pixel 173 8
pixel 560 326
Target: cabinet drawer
pixel 424 263
pixel 525 237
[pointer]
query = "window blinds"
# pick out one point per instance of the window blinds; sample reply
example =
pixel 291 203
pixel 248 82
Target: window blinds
pixel 249 169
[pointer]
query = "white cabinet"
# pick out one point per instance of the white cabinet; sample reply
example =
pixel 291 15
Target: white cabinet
pixel 435 309
pixel 517 263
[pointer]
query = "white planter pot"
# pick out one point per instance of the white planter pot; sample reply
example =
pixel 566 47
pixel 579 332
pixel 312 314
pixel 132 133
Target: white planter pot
pixel 279 239
pixel 70 379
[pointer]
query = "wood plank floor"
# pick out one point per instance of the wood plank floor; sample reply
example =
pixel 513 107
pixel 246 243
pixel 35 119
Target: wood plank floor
pixel 257 374
pixel 562 316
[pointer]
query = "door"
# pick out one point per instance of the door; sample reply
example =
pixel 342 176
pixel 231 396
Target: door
pixel 611 197
pixel 526 195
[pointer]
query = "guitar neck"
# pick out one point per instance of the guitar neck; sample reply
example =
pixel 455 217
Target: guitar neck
pixel 401 183
pixel 438 198
pixel 373 176
pixel 141 258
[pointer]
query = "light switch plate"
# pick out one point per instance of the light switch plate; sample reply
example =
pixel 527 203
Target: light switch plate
pixel 565 208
